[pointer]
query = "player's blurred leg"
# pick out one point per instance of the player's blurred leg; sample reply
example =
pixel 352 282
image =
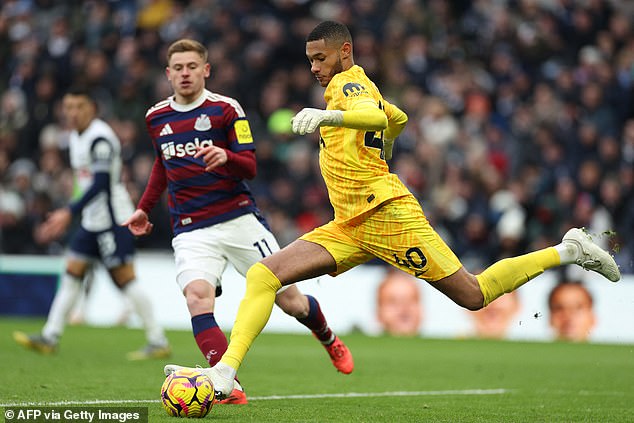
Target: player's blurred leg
pixel 35 342
pixel 157 346
pixel 65 298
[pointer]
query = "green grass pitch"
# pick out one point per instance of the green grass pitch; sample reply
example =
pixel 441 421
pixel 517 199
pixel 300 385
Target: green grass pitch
pixel 289 378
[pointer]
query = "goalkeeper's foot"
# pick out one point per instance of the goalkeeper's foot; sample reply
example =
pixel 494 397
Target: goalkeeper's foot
pixel 223 386
pixel 35 342
pixel 590 256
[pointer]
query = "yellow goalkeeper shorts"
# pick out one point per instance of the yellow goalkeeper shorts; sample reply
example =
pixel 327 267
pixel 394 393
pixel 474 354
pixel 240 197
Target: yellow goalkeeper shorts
pixel 396 232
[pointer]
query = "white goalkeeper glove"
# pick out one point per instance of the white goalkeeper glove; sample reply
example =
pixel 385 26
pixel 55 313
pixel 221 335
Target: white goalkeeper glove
pixel 388 144
pixel 308 120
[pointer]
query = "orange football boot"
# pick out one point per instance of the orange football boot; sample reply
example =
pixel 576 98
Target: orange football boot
pixel 340 356
pixel 237 397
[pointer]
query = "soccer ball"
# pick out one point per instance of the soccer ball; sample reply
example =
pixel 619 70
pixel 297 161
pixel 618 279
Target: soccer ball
pixel 187 393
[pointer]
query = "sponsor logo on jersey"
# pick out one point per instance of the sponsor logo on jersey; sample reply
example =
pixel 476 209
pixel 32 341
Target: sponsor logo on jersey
pixel 186 221
pixel 203 123
pixel 171 150
pixel 167 130
pixel 243 132
pixel 353 89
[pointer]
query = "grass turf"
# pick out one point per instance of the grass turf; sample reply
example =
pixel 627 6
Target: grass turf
pixel 395 379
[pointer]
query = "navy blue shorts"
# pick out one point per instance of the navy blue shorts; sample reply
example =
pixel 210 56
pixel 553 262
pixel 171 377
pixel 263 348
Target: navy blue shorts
pixel 112 247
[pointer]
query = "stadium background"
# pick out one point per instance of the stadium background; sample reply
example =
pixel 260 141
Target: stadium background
pixel 521 112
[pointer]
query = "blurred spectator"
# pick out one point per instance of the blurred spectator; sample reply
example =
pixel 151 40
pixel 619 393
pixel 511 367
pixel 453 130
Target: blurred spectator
pixel 399 307
pixel 494 321
pixel 572 317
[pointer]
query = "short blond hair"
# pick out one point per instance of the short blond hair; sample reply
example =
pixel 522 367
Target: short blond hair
pixel 186 44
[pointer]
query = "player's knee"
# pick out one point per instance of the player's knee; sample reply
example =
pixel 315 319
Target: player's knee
pixel 256 273
pixel 122 284
pixel 259 277
pixel 199 298
pixel 293 303
pixel 77 269
pixel 473 301
pixel 121 281
pixel 122 275
pixel 75 275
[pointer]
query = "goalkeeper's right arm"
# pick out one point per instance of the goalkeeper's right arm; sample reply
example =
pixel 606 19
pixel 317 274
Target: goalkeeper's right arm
pixel 396 121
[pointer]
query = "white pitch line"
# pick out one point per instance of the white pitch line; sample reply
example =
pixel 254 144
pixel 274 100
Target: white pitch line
pixel 386 394
pixel 276 397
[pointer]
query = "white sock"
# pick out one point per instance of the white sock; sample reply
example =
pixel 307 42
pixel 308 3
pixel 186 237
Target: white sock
pixel 142 305
pixel 65 297
pixel 568 252
pixel 225 370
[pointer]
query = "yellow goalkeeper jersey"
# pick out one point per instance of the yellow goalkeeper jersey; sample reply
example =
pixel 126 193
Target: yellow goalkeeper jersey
pixel 351 160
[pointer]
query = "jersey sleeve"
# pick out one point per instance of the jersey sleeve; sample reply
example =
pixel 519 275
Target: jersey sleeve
pixel 239 136
pixel 101 155
pixel 346 93
pixel 396 120
pixel 157 183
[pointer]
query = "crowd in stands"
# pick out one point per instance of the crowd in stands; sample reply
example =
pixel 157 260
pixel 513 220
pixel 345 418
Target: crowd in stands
pixel 521 112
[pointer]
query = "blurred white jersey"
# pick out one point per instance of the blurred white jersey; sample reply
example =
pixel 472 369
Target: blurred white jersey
pixel 98 149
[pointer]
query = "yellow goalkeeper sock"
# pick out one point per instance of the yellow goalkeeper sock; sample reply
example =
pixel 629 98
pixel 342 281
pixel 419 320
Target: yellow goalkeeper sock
pixel 253 313
pixel 509 274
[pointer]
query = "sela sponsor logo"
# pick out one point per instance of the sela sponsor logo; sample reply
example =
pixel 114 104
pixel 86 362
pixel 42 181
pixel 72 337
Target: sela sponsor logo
pixel 203 123
pixel 171 150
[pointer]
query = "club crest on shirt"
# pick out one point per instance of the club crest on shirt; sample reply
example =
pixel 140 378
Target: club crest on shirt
pixel 353 89
pixel 203 123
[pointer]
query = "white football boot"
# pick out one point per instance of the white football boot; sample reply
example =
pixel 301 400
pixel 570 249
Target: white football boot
pixel 223 386
pixel 590 256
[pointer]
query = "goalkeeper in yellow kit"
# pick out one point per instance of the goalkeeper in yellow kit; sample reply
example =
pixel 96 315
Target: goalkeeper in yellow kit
pixel 375 214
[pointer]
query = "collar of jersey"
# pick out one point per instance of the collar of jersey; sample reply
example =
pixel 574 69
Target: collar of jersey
pixel 191 106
